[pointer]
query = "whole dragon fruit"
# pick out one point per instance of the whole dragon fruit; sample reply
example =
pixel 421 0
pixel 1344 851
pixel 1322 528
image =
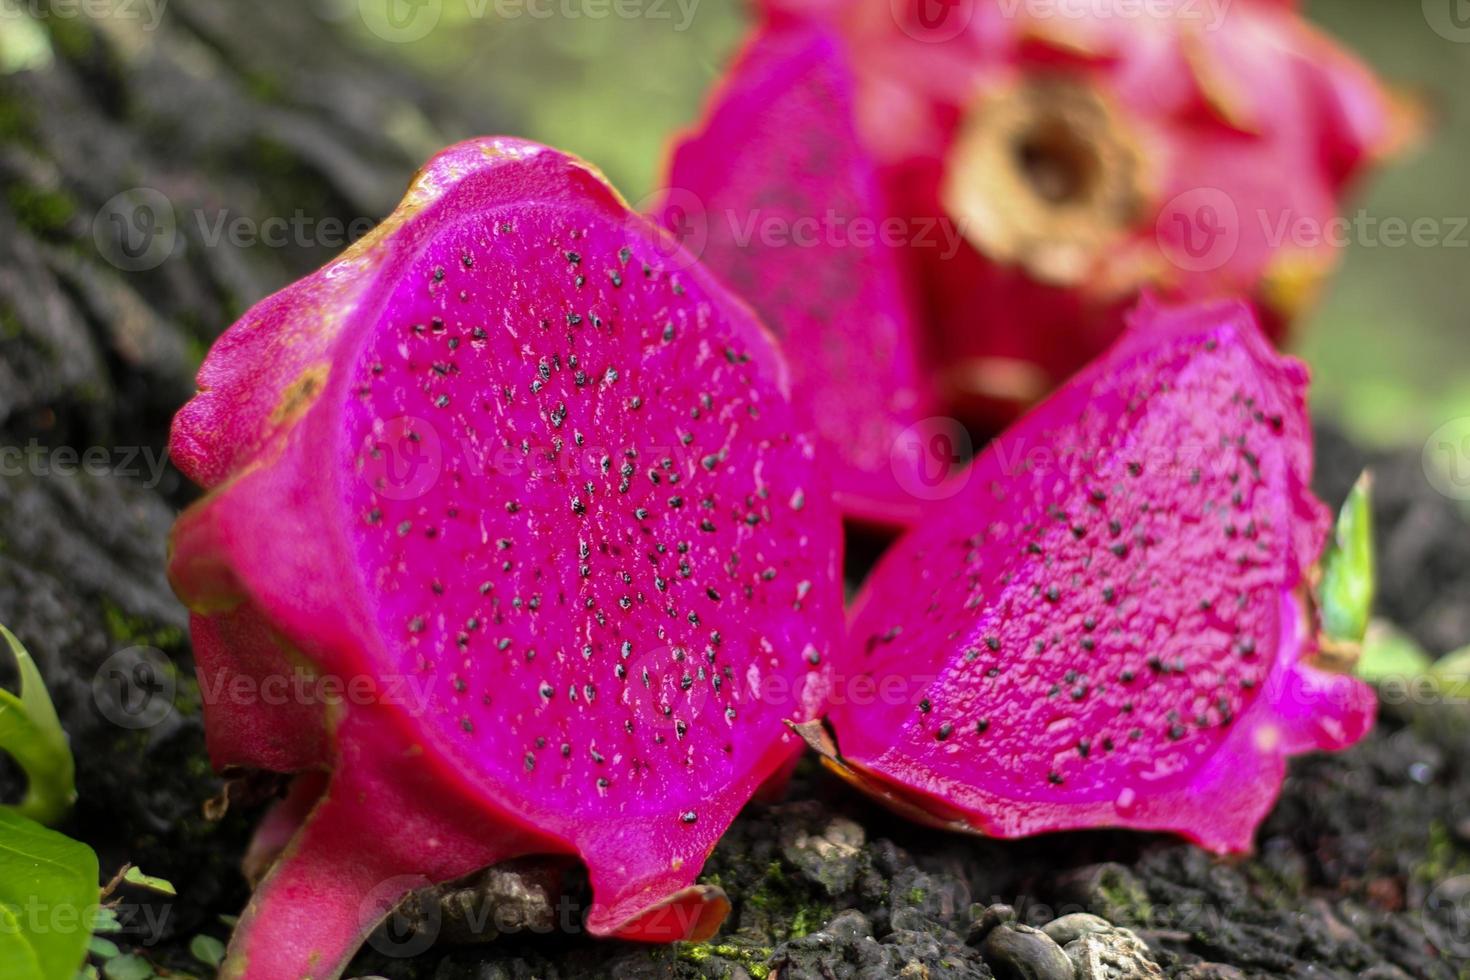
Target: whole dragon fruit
pixel 518 488
pixel 1047 162
pixel 1109 626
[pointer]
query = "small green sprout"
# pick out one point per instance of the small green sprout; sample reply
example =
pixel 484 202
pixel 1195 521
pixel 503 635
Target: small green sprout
pixel 135 876
pixel 31 733
pixel 1349 577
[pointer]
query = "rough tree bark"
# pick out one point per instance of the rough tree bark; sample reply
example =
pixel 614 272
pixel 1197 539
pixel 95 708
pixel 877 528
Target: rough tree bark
pixel 226 114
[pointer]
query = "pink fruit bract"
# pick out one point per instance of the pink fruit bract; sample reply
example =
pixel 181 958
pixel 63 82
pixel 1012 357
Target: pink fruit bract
pixel 511 503
pixel 1102 628
pixel 780 199
pixel 1079 154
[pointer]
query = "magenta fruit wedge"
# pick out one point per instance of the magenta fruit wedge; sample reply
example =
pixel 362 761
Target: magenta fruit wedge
pixel 779 197
pixel 1108 625
pixel 519 488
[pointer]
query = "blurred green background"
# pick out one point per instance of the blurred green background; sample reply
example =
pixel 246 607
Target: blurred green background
pixel 1390 344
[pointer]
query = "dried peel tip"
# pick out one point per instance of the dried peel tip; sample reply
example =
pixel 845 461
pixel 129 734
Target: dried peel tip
pixel 694 914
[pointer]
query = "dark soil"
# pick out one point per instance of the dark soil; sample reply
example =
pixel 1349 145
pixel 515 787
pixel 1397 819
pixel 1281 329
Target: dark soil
pixel 247 109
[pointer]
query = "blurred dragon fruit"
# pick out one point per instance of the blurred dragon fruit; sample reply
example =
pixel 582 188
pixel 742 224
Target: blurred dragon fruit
pixel 1110 624
pixel 1045 162
pixel 524 484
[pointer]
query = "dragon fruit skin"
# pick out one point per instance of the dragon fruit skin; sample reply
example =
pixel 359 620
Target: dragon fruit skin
pixel 1192 146
pixel 780 199
pixel 1103 628
pixel 526 481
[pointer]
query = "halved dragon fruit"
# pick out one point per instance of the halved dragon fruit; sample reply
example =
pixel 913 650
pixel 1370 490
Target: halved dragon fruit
pixel 517 489
pixel 1076 155
pixel 1108 625
pixel 779 197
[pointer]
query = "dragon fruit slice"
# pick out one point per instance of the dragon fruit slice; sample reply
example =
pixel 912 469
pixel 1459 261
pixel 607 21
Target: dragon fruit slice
pixel 780 199
pixel 1084 155
pixel 518 490
pixel 1107 626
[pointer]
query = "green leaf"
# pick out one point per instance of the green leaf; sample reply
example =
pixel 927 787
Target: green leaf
pixel 207 950
pixel 128 967
pixel 24 43
pixel 106 920
pixel 18 954
pixel 32 734
pixel 1452 673
pixel 1390 655
pixel 48 900
pixel 163 886
pixel 103 949
pixel 1349 575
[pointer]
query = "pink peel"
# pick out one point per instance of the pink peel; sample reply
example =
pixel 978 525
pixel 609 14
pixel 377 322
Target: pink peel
pixel 280 824
pixel 518 488
pixel 1102 629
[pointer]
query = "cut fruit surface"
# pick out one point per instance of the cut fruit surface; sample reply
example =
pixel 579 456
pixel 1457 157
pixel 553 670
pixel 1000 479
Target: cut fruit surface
pixel 520 491
pixel 1102 628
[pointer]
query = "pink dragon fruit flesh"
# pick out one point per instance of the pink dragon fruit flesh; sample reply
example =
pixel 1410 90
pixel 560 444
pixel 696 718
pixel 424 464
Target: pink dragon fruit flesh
pixel 519 489
pixel 1108 625
pixel 778 196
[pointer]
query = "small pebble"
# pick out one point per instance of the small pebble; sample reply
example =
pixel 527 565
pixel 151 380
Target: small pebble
pixel 1070 928
pixel 1211 971
pixel 987 919
pixel 850 925
pixel 1109 953
pixel 1019 952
